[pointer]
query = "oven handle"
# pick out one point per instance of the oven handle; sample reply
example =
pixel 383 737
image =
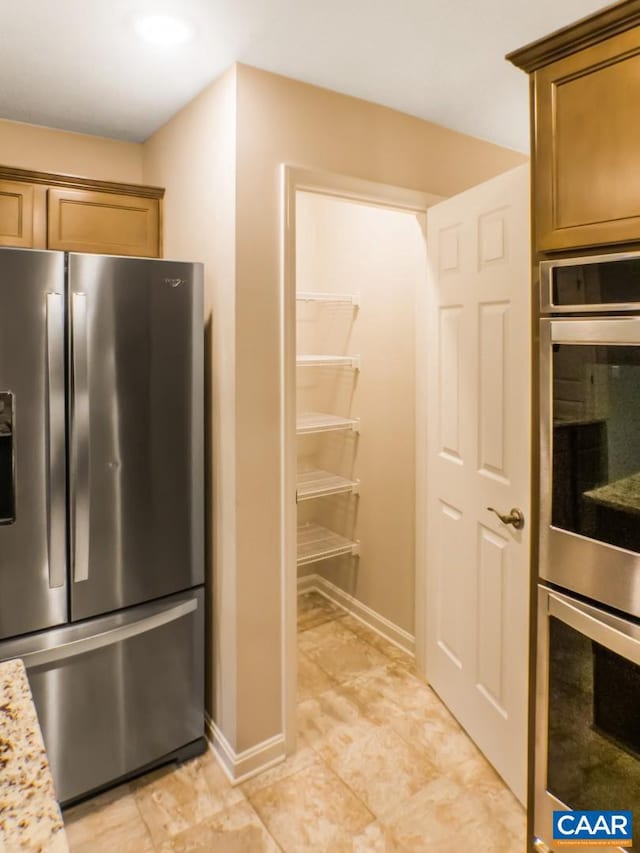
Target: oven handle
pixel 598 330
pixel 612 632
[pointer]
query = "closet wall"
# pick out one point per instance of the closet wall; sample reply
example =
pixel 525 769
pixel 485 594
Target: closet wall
pixel 379 255
pixel 221 164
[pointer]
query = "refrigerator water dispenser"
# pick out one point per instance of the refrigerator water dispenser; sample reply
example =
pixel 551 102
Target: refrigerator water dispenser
pixel 7 483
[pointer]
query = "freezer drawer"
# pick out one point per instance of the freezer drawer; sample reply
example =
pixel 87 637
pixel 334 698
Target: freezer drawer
pixel 119 692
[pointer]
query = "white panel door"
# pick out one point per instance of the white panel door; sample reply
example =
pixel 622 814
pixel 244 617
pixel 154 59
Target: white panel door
pixel 478 456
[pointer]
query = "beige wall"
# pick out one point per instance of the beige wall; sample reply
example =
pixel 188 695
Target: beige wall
pixel 193 156
pixel 380 254
pixel 284 121
pixel 42 149
pixel 203 162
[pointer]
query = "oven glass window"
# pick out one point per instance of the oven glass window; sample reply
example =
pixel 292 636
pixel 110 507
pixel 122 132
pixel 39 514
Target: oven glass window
pixel 594 725
pixel 596 284
pixel 596 442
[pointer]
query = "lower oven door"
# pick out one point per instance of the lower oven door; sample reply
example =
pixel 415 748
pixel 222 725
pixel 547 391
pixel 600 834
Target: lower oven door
pixel 587 714
pixel 119 692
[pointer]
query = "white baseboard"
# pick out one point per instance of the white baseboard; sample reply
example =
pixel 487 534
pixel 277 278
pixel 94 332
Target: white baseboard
pixel 378 623
pixel 240 766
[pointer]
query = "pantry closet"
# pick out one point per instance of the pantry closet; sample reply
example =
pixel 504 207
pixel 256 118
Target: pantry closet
pixel 359 269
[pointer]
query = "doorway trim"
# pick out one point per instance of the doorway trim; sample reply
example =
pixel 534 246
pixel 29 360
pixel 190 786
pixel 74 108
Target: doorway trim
pixel 294 179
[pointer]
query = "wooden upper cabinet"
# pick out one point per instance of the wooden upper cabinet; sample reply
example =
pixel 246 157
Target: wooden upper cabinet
pixel 43 210
pixel 84 221
pixel 586 130
pixel 587 158
pixel 16 214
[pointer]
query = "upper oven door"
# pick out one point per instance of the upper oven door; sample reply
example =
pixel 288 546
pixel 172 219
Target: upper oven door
pixel 590 458
pixel 587 285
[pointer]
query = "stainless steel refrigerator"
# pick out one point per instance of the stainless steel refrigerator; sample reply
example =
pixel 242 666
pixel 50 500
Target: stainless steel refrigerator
pixel 101 506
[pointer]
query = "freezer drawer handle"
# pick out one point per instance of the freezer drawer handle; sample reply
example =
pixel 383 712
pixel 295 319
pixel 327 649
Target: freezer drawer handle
pixel 108 638
pixel 80 448
pixel 56 518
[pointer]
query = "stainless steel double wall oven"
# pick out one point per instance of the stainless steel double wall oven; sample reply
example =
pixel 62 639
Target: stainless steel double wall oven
pixel 588 662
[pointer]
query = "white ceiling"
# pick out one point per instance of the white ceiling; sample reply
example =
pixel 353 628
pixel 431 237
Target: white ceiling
pixel 78 64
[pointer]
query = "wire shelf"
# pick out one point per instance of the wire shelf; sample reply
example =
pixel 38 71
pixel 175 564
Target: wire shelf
pixel 318 484
pixel 317 543
pixel 310 422
pixel 333 298
pixel 352 361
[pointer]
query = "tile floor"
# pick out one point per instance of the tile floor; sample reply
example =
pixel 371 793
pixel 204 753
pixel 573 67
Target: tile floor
pixel 381 766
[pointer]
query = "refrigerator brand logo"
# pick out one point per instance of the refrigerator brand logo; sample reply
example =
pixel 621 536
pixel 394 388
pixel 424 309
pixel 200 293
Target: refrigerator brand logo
pixel 593 828
pixel 175 282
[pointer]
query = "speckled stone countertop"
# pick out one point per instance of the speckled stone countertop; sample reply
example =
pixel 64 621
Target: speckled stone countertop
pixel 30 818
pixel 623 494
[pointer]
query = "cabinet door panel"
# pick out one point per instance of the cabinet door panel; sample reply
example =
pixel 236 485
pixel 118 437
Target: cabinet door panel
pixel 85 221
pixel 587 143
pixel 16 215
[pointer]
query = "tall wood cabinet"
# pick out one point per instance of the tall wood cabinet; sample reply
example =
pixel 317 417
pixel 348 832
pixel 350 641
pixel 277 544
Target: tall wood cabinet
pixel 46 211
pixel 585 85
pixel 585 123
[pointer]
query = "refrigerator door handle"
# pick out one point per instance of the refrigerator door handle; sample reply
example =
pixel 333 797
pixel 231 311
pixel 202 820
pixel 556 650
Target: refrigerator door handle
pixel 80 470
pixel 55 441
pixel 43 657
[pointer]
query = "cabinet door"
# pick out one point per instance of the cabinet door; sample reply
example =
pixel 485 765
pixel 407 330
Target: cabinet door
pixel 587 179
pixel 16 215
pixel 109 224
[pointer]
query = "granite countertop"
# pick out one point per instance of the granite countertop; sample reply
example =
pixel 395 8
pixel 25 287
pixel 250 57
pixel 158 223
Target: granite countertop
pixel 30 818
pixel 622 494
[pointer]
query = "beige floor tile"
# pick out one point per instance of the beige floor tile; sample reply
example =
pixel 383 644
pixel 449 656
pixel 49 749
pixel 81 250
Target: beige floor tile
pixel 234 830
pixel 339 652
pixel 171 800
pixel 311 811
pixel 390 693
pixel 373 839
pixel 442 740
pixel 477 775
pixel 408 691
pixel 222 793
pixel 428 820
pixel 365 693
pixel 508 810
pixel 444 817
pixel 302 758
pixel 314 609
pixel 388 649
pixel 332 718
pixel 381 768
pixel 109 822
pixel 311 679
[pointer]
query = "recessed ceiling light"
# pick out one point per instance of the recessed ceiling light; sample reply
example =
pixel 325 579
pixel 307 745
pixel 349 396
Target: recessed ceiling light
pixel 163 30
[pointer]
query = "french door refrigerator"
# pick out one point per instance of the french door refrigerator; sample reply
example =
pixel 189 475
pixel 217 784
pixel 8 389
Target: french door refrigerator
pixel 101 506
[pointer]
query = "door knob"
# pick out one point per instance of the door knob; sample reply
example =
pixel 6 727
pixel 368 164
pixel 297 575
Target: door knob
pixel 515 517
